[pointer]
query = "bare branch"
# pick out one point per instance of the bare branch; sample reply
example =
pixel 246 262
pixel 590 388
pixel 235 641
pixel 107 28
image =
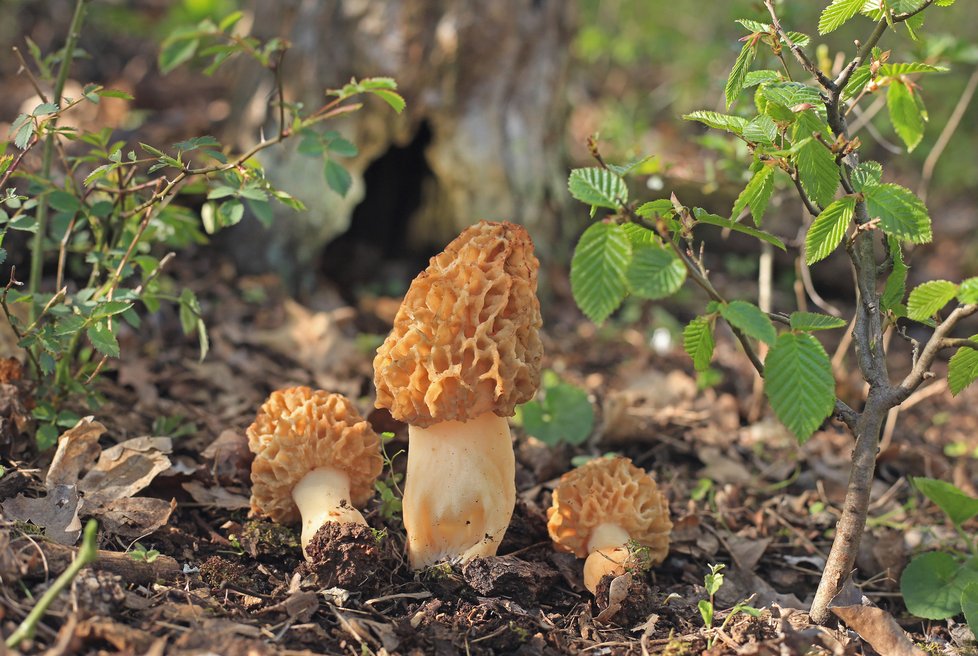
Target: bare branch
pixel 800 55
pixel 938 341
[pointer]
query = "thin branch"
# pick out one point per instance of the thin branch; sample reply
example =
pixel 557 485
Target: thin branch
pixel 945 137
pixel 800 55
pixel 937 342
pixel 16 163
pixel 952 342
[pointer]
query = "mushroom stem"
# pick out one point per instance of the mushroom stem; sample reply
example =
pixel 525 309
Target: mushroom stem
pixel 323 495
pixel 460 489
pixel 608 554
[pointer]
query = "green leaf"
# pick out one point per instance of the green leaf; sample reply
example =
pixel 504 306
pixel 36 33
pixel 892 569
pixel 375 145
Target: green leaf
pixel 65 202
pixel 932 584
pixel 640 236
pixel 654 272
pixel 702 216
pixel 662 206
pixel 563 416
pixel 102 338
pixel 867 174
pixel 905 114
pixel 337 177
pixel 765 76
pixel 816 165
pixel 597 187
pixel 790 95
pixel 342 147
pixel 957 505
pixel 175 52
pixel 598 268
pixel 814 321
pixel 799 384
pixel 962 370
pixel 262 210
pixel 929 297
pixel 735 81
pixel 229 213
pixel 698 342
pixel 837 13
pixel 755 195
pixel 23 129
pixel 718 121
pixel 189 311
pixel 969 605
pixel 857 82
pixel 900 212
pixel 828 229
pixel 896 283
pixel 761 129
pixel 392 98
pixel 750 320
pixel 906 68
pixel 968 291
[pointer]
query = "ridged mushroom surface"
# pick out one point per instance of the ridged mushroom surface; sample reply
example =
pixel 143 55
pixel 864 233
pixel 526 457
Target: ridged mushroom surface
pixel 609 490
pixel 466 338
pixel 298 430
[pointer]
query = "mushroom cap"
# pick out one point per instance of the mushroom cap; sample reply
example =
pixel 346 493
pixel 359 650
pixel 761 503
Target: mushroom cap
pixel 298 430
pixel 609 490
pixel 465 341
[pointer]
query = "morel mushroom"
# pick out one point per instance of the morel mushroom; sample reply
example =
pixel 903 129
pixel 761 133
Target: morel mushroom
pixel 602 507
pixel 464 351
pixel 316 459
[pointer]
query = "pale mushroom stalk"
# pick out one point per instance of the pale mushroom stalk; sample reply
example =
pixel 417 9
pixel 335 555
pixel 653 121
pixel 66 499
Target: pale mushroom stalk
pixel 323 495
pixel 607 553
pixel 459 490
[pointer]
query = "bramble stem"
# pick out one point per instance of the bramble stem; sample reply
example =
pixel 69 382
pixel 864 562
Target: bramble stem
pixel 86 555
pixel 37 249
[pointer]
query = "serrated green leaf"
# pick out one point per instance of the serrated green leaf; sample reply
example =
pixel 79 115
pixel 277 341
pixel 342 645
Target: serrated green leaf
pixel 755 195
pixel 867 174
pixel 175 52
pixel 598 268
pixel 896 283
pixel 857 82
pixel 702 216
pixel 597 187
pixel 65 202
pixel 69 325
pixel 809 321
pixel 828 229
pixel 906 68
pixel 958 506
pixel 790 95
pixel 639 236
pixel 836 14
pixel 342 147
pixel 102 338
pixel 905 115
pixel 698 342
pixel 662 206
pixel 563 416
pixel 718 121
pixel 817 170
pixel 968 291
pixel 735 81
pixel 750 320
pixel 799 384
pixel 929 297
pixel 654 272
pixel 392 98
pixel 932 584
pixel 962 370
pixel 900 212
pixel 761 129
pixel 764 76
pixel 337 177
pixel 969 606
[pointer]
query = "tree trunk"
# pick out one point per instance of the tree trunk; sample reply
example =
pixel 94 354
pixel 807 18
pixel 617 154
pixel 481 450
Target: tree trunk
pixel 484 79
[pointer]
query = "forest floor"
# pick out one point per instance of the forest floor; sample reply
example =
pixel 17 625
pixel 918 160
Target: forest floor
pixel 184 570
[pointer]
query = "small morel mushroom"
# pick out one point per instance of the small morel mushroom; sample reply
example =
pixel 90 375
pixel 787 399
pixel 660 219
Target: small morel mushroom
pixel 316 459
pixel 464 351
pixel 602 507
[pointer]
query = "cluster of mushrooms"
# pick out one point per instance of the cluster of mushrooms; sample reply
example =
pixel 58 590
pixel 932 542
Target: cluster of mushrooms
pixel 463 353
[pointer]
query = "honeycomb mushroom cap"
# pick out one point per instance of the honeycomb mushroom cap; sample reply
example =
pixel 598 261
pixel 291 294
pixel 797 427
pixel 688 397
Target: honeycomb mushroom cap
pixel 298 430
pixel 466 338
pixel 609 490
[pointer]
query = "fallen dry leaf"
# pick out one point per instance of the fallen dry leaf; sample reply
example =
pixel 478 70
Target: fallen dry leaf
pixel 56 513
pixel 126 468
pixel 135 517
pixel 215 497
pixel 230 458
pixel 873 624
pixel 78 449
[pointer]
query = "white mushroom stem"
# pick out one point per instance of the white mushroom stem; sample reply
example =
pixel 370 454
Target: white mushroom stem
pixel 607 553
pixel 459 491
pixel 323 495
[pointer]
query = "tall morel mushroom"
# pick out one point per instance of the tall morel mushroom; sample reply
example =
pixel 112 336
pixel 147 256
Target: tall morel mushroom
pixel 464 351
pixel 316 459
pixel 602 507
